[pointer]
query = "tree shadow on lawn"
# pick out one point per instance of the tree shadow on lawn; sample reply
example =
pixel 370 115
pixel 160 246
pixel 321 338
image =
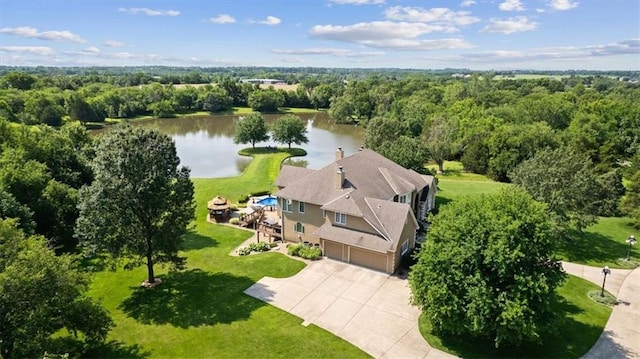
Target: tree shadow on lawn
pixel 593 247
pixel 192 298
pixel 194 241
pixel 571 339
pixel 111 349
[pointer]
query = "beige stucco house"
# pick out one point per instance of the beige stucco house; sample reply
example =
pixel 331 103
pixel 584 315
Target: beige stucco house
pixel 360 209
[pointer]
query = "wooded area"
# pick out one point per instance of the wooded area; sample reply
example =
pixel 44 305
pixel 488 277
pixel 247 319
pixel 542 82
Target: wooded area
pixel 571 142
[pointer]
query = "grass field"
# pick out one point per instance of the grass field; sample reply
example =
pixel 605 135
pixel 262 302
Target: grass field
pixel 202 312
pixel 577 332
pixel 602 244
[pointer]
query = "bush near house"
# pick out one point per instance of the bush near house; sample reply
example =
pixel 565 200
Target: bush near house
pixel 304 251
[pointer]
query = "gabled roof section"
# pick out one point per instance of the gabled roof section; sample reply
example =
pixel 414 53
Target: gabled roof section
pixel 370 181
pixel 392 217
pixel 397 183
pixel 353 238
pixel 290 174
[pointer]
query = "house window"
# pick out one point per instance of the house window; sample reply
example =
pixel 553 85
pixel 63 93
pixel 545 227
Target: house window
pixel 405 247
pixel 301 207
pixel 403 198
pixel 341 218
pixel 287 205
pixel 324 213
pixel 298 227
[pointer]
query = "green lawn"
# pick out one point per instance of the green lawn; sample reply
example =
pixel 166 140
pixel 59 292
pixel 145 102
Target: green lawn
pixel 453 170
pixel 257 177
pixel 202 312
pixel 578 331
pixel 603 244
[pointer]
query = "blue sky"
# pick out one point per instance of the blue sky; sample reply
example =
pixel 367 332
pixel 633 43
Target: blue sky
pixel 429 34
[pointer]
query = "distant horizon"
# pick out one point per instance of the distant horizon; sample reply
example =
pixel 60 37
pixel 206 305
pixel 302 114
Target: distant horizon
pixel 446 70
pixel 479 35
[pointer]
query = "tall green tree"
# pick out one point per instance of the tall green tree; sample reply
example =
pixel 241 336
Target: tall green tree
pixel 441 142
pixel 251 129
pixel 41 293
pixel 140 202
pixel 265 100
pixel 289 129
pixel 408 152
pixel 487 270
pixel 565 181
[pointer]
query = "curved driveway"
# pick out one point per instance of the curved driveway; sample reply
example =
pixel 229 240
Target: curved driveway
pixel 372 310
pixel 621 335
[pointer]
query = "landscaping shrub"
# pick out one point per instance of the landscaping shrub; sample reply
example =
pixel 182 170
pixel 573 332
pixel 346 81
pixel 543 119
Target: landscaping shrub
pixel 304 251
pixel 259 247
pixel 243 251
pixel 294 249
pixel 309 252
pixel 234 221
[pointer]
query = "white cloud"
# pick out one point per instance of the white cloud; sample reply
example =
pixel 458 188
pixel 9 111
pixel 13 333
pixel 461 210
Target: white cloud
pixel 544 55
pixel 149 12
pixel 292 60
pixel 435 15
pixel 510 26
pixel 562 5
pixel 357 2
pixel 31 32
pixel 327 51
pixel 419 45
pixel 91 50
pixel 35 50
pixel 467 3
pixel 376 30
pixel 114 43
pixel 270 20
pixel 223 19
pixel 511 5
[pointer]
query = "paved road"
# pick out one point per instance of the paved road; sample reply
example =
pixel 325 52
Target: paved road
pixel 621 335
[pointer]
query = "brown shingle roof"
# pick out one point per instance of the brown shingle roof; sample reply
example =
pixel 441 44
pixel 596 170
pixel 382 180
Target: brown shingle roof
pixel 353 238
pixel 371 180
pixel 289 174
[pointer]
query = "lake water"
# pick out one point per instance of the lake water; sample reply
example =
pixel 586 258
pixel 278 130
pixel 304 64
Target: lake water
pixel 205 143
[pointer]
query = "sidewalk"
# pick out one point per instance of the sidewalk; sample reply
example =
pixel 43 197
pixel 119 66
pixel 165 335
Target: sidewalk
pixel 594 275
pixel 621 335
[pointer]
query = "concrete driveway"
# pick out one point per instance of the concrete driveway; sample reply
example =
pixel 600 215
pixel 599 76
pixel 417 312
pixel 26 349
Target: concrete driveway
pixel 369 309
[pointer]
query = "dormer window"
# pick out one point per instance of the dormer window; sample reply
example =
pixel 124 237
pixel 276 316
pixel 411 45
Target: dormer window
pixel 341 218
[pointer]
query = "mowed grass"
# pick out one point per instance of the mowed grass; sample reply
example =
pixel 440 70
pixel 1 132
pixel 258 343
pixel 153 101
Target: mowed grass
pixel 259 176
pixel 603 244
pixel 202 312
pixel 582 322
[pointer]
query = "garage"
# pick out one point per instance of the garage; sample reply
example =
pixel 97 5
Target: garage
pixel 333 250
pixel 368 259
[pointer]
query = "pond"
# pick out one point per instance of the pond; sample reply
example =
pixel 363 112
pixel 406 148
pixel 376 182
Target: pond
pixel 205 143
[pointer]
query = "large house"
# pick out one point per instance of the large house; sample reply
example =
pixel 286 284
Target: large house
pixel 361 209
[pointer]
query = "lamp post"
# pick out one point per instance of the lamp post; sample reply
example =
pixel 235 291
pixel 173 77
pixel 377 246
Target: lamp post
pixel 631 240
pixel 605 271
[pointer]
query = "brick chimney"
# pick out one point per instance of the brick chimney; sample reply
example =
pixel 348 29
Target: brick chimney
pixel 339 154
pixel 339 178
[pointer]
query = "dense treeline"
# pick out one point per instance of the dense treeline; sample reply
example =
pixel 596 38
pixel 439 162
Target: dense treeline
pixel 491 125
pixel 568 142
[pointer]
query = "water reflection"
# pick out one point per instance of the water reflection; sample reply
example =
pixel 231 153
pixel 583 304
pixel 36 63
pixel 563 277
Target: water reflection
pixel 205 143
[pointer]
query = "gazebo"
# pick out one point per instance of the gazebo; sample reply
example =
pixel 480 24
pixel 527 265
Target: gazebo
pixel 219 208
